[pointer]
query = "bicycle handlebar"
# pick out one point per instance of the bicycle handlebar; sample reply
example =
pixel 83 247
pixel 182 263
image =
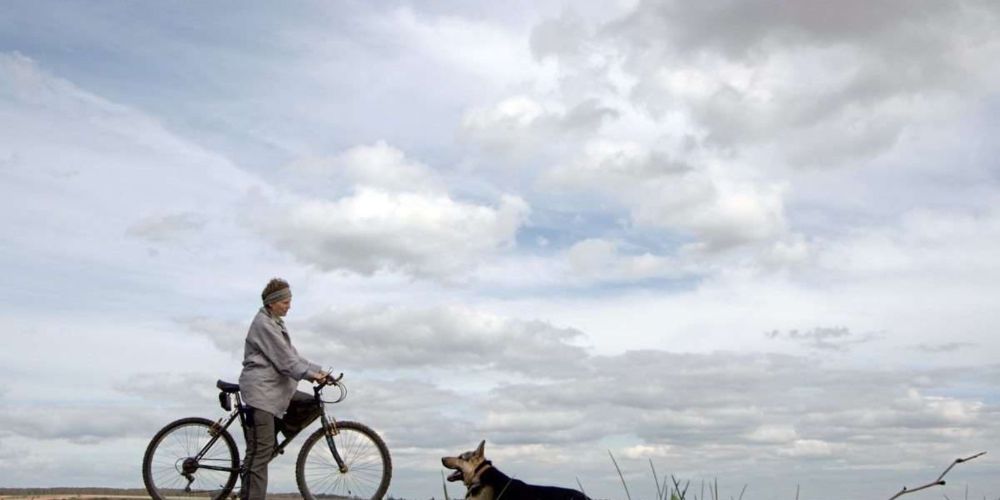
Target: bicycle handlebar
pixel 334 381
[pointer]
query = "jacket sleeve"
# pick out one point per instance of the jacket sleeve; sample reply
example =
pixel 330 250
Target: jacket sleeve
pixel 272 344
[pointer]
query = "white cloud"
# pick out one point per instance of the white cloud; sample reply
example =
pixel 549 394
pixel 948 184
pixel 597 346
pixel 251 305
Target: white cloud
pixel 808 448
pixel 773 434
pixel 521 123
pixel 601 260
pixel 163 228
pixel 443 337
pixel 426 235
pixel 707 202
pixel 493 52
pixel 376 166
pixel 825 92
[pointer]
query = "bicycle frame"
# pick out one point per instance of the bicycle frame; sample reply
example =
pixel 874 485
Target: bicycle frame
pixel 239 412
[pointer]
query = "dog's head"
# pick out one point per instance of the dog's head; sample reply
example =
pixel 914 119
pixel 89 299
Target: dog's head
pixel 466 465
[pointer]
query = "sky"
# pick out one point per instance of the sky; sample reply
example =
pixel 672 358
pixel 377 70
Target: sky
pixel 751 241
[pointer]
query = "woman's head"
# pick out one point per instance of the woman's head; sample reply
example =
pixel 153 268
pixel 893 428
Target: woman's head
pixel 277 296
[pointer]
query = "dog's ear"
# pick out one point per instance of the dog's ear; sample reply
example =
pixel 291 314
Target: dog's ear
pixel 481 450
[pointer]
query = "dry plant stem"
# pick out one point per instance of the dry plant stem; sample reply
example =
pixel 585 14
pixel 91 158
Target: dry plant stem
pixel 445 486
pixel 659 494
pixel 620 475
pixel 578 483
pixel 677 487
pixel 744 490
pixel 940 480
pixel 796 492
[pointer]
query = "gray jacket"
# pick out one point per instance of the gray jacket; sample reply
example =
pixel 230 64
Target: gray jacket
pixel 272 367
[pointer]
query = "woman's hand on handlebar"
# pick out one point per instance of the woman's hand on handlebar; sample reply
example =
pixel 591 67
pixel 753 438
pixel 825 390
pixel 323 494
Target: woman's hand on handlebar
pixel 327 378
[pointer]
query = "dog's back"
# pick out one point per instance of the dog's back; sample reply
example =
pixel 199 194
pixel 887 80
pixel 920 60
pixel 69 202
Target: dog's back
pixel 498 486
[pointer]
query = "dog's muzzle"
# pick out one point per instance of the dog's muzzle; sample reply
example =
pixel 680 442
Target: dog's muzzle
pixel 454 476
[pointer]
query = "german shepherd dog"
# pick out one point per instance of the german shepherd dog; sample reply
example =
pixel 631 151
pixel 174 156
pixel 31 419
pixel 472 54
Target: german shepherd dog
pixel 483 481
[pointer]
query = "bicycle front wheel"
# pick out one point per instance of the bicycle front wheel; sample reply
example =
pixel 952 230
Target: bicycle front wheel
pixel 367 466
pixel 185 459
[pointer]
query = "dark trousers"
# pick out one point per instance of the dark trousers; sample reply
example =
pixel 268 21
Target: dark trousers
pixel 260 448
pixel 261 438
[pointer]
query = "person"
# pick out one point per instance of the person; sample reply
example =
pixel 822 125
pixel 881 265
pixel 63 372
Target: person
pixel 272 369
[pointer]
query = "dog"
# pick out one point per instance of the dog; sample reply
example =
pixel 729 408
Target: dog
pixel 483 481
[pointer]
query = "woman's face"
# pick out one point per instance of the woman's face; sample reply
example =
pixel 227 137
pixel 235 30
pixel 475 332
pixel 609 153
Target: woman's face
pixel 281 307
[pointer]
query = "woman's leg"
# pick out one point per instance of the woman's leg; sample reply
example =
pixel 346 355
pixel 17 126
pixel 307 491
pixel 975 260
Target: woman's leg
pixel 302 410
pixel 260 447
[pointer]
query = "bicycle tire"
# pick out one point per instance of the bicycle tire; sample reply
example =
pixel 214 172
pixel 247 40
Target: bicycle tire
pixel 363 452
pixel 162 464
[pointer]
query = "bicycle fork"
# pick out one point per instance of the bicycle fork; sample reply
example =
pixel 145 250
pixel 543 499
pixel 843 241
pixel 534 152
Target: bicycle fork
pixel 330 430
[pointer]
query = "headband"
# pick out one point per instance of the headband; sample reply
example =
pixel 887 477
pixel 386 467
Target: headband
pixel 278 296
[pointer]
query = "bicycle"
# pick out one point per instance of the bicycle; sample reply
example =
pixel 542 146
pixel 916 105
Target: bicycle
pixel 196 457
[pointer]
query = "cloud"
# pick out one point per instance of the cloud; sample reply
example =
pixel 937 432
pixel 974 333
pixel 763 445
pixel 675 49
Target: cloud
pixel 776 405
pixel 370 209
pixel 602 260
pixel 226 335
pixel 99 189
pixel 171 389
pixel 705 202
pixel 718 406
pixel 464 44
pixel 826 87
pixel 826 339
pixel 444 337
pixel 164 228
pixel 81 424
pixel 424 235
pixel 395 407
pixel 376 166
pixel 944 347
pixel 521 123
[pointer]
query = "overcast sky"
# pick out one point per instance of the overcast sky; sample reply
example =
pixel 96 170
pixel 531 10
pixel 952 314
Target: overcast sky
pixel 750 240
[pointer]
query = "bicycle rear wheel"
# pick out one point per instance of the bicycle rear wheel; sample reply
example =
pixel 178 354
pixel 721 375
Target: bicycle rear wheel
pixel 365 456
pixel 171 467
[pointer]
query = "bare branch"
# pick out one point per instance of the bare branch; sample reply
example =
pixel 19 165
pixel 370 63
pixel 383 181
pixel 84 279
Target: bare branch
pixel 940 480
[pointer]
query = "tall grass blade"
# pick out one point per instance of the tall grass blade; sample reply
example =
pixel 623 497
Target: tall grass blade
pixel 680 494
pixel 620 475
pixel 444 485
pixel 656 479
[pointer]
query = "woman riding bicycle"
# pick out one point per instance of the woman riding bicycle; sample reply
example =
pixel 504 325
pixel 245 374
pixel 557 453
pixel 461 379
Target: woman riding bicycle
pixel 272 369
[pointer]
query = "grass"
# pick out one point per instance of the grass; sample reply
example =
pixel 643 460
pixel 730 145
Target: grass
pixel 674 491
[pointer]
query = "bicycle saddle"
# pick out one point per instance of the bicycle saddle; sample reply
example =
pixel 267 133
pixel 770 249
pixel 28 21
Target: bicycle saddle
pixel 227 387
